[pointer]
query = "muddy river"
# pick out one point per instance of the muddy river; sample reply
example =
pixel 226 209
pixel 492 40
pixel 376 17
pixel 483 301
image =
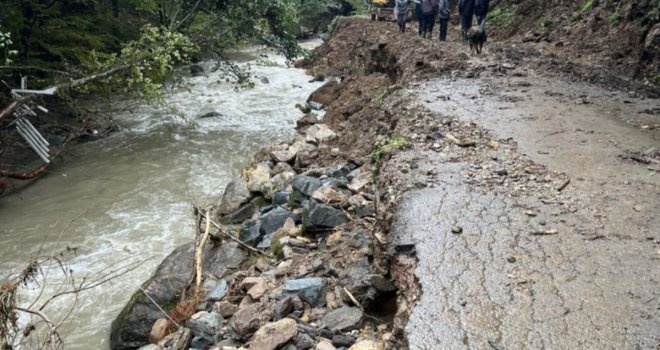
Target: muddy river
pixel 127 198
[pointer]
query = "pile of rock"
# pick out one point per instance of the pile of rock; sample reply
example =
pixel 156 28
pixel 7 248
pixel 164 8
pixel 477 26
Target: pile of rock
pixel 315 283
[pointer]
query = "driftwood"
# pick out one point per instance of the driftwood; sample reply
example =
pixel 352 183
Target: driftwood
pixel 199 255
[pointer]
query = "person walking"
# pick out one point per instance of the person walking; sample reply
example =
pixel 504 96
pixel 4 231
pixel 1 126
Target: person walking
pixel 466 11
pixel 428 17
pixel 418 14
pixel 444 14
pixel 481 10
pixel 401 9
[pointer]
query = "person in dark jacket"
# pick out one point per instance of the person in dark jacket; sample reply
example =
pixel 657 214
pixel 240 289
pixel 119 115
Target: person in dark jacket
pixel 481 10
pixel 401 8
pixel 429 10
pixel 466 11
pixel 418 14
pixel 444 14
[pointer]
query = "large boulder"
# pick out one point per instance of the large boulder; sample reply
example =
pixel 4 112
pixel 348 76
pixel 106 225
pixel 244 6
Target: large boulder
pixel 319 133
pixel 344 318
pixel 206 325
pixel 317 216
pixel 303 187
pixel 250 232
pixel 240 215
pixel 235 195
pixel 311 290
pixel 276 184
pixel 326 94
pixel 131 328
pixel 257 176
pixel 271 222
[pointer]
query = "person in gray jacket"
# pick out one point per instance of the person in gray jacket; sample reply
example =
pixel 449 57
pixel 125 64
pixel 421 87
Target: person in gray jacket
pixel 444 13
pixel 401 8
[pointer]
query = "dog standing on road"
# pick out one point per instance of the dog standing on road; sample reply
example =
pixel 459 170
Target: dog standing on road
pixel 477 38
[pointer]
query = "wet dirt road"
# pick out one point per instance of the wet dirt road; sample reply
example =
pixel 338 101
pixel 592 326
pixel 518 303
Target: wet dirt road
pixel 506 261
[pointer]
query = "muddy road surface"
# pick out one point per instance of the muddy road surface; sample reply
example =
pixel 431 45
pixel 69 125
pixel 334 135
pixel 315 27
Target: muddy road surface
pixel 545 237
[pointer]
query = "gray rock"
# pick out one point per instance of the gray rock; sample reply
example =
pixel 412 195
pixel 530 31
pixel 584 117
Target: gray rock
pixel 305 108
pixel 282 167
pixel 340 340
pixel 226 309
pixel 381 283
pixel 200 343
pixel 326 94
pixel 306 185
pixel 365 285
pixel 205 324
pixel 235 195
pixel 218 291
pixel 283 308
pixel 329 195
pixel 307 120
pixel 257 176
pixel 276 183
pixel 365 210
pixel 274 219
pixel 132 327
pixel 353 174
pixel 245 212
pixel 247 319
pixel 283 156
pixel 500 171
pixel 304 341
pixel 272 335
pixel 250 232
pixel 309 289
pixel 196 70
pixel 210 115
pixel 319 133
pixel 340 170
pixel 344 318
pixel 320 216
pixel 177 341
pixel 281 198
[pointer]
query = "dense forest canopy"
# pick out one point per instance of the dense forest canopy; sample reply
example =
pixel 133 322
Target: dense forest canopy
pixel 149 37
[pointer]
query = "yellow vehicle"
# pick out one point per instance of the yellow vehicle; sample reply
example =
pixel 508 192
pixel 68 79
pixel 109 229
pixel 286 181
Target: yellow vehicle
pixel 383 10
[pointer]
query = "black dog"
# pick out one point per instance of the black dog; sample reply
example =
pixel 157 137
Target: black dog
pixel 477 38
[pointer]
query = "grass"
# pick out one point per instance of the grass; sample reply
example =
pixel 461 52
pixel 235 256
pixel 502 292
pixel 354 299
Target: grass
pixel 613 18
pixel 383 147
pixel 586 7
pixel 503 19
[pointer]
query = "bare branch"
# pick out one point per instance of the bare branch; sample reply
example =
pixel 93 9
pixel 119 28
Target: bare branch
pixel 158 306
pixel 221 230
pixel 53 337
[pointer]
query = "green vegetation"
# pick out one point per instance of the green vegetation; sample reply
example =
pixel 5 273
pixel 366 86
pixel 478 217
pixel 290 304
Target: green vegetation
pixel 584 8
pixel 277 249
pixel 504 19
pixel 384 147
pixel 655 80
pixel 148 38
pixel 614 18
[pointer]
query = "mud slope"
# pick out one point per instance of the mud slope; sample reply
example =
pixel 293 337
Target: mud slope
pixel 532 227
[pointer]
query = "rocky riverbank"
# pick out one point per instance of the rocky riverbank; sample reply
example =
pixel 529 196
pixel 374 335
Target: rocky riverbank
pixel 320 208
